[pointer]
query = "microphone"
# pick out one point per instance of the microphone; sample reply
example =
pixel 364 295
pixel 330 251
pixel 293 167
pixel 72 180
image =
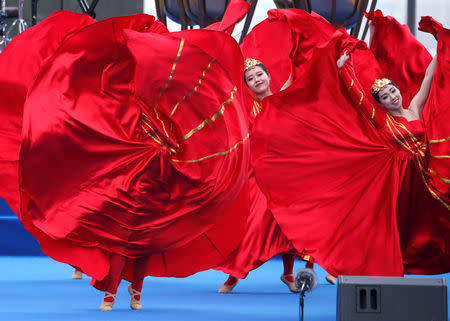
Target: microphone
pixel 305 280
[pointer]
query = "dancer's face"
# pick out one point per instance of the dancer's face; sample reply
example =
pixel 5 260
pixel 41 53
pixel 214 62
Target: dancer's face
pixel 257 80
pixel 390 97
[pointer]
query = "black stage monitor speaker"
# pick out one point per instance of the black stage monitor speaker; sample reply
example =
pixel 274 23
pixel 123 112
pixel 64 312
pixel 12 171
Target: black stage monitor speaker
pixel 364 298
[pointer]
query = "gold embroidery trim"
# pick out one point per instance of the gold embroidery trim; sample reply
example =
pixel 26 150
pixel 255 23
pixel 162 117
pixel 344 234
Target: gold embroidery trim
pixel 433 193
pixel 210 120
pixel 156 137
pixel 414 138
pixel 373 113
pixel 396 138
pixel 215 154
pixel 439 140
pixel 430 190
pixel 256 107
pixel 199 82
pixel 445 180
pixel 419 145
pixel 441 156
pixel 351 84
pixel 151 136
pixel 172 71
pixel 362 98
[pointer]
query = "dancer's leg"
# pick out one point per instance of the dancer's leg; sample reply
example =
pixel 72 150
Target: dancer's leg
pixel 288 265
pixel 330 278
pixel 288 277
pixel 116 268
pixel 229 284
pixel 77 274
pixel 135 288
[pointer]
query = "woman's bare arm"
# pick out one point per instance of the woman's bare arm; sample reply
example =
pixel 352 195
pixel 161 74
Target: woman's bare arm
pixel 418 102
pixel 287 83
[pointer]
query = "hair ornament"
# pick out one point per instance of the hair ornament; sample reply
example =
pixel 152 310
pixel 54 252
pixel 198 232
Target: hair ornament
pixel 250 63
pixel 378 84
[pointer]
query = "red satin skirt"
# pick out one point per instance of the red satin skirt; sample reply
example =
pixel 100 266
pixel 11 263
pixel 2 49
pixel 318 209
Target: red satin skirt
pixel 135 143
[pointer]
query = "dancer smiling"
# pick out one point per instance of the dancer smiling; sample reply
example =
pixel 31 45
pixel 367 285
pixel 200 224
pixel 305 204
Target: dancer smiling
pixel 263 239
pixel 361 191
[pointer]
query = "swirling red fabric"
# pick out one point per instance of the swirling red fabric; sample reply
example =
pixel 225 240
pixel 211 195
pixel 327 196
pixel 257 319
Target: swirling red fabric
pixel 135 142
pixel 19 67
pixel 263 238
pixel 390 43
pixel 346 182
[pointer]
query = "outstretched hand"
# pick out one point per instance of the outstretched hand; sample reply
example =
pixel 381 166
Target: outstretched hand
pixel 341 61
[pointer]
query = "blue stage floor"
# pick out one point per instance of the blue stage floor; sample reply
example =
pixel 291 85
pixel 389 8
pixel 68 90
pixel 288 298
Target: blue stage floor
pixel 38 288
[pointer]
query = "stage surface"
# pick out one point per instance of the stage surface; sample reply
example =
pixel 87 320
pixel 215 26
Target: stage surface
pixel 38 288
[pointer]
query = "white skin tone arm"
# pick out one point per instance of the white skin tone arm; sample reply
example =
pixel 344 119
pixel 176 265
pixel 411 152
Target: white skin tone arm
pixel 418 102
pixel 287 83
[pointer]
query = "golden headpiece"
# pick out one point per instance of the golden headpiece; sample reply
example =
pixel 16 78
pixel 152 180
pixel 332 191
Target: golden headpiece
pixel 250 63
pixel 380 83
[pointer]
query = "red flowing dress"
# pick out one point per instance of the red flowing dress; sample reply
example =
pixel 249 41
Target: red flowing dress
pixel 263 238
pixel 348 184
pixel 19 67
pixel 135 142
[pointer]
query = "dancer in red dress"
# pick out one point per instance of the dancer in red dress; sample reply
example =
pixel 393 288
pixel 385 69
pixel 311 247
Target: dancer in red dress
pixel 357 189
pixel 120 173
pixel 278 42
pixel 263 239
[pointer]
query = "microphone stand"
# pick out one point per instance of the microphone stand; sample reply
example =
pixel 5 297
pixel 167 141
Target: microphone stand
pixel 305 280
pixel 302 301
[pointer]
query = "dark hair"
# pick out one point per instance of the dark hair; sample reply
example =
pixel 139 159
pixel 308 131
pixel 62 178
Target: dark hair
pixel 257 65
pixel 376 94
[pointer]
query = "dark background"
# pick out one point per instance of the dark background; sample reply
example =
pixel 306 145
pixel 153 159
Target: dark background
pixel 104 8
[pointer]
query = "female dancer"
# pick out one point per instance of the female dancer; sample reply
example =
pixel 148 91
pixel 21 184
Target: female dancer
pixel 368 194
pixel 425 249
pixel 263 238
pixel 119 180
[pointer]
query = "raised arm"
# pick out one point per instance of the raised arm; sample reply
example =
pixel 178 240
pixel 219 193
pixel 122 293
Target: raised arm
pixel 357 94
pixel 287 83
pixel 421 97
